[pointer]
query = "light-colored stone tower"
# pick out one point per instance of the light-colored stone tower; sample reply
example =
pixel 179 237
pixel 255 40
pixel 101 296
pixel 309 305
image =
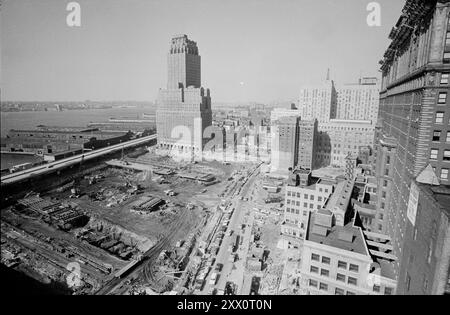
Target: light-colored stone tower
pixel 184 108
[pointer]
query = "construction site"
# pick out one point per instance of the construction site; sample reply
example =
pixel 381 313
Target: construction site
pixel 136 221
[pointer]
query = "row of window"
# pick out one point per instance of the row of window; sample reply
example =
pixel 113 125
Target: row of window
pixel 437 136
pixel 435 152
pixel 305 196
pixel 339 277
pixel 341 264
pixel 324 287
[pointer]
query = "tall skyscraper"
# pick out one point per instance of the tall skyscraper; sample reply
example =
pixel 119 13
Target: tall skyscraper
pixel 358 101
pixel 318 102
pixel 184 108
pixel 293 143
pixel 284 144
pixel 413 146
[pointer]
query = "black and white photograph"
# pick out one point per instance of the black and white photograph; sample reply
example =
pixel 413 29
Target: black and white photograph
pixel 243 149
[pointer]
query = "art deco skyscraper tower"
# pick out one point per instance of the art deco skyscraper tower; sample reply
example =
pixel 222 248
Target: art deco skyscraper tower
pixel 184 108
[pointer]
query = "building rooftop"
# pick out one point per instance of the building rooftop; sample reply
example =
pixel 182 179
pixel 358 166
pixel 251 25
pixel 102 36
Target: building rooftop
pixel 347 237
pixel 339 200
pixel 440 194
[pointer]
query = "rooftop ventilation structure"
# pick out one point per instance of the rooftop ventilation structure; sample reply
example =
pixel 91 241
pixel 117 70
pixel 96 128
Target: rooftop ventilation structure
pixel 345 236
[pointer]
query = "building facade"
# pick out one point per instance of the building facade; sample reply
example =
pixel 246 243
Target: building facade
pixel 339 259
pixel 338 138
pixel 303 196
pixel 184 108
pixel 413 131
pixel 358 101
pixel 318 102
pixel 284 144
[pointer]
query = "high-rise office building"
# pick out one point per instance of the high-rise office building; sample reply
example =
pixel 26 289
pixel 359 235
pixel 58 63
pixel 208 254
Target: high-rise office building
pixel 184 108
pixel 413 146
pixel 293 143
pixel 318 102
pixel 339 138
pixel 358 101
pixel 307 142
pixel 284 144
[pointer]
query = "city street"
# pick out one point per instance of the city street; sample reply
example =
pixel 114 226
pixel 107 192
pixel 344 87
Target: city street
pixel 233 271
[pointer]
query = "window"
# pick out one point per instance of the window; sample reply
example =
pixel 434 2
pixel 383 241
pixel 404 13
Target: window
pixel 434 154
pixel 382 205
pixel 381 216
pixel 445 76
pixel 447 155
pixel 340 277
pixel 305 213
pixel 314 269
pixel 311 197
pixel 315 257
pixel 325 260
pixel 444 173
pixel 385 183
pixel 446 57
pixel 376 288
pixel 305 205
pixel 305 196
pixel 311 205
pixel 442 99
pixel 439 119
pixel 350 293
pixel 289 193
pixel 312 283
pixel 338 291
pixel 388 159
pixel 387 291
pixel 386 172
pixel 354 268
pixel 448 136
pixel 436 135
pixel 447 38
pixel 323 286
pixel 342 264
pixel 383 194
pixel 352 280
pixel 324 272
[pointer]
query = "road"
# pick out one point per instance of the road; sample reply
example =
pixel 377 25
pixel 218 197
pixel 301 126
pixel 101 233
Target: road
pixel 234 225
pixel 64 163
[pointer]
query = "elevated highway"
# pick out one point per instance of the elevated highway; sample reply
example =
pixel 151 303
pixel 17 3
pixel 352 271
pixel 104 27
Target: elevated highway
pixel 70 161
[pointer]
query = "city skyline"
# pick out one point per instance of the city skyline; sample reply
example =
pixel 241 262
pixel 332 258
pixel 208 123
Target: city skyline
pixel 60 63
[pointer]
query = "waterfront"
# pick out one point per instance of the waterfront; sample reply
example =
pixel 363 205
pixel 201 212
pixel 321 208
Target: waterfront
pixel 70 118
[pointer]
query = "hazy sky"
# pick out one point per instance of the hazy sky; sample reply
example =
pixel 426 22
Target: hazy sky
pixel 120 50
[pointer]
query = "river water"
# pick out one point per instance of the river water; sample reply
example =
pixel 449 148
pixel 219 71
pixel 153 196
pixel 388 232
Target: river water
pixel 68 118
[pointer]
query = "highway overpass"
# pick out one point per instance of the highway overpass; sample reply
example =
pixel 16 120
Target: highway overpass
pixel 67 162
